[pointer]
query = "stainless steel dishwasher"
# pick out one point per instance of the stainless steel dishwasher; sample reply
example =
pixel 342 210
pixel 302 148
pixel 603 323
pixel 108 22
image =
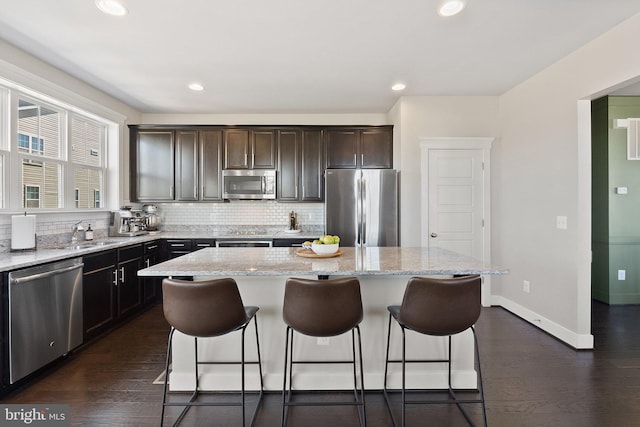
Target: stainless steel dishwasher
pixel 45 315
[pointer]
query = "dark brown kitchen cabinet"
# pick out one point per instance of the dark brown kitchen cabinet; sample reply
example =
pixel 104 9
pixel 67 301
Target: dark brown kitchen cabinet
pixel 152 165
pixel 300 165
pixel 376 148
pixel 128 283
pixel 111 288
pixel 249 149
pixel 366 148
pixel 210 165
pixel 151 286
pixel 198 165
pixel 288 165
pixel 98 292
pixel 312 166
pixel 178 247
pixel 186 165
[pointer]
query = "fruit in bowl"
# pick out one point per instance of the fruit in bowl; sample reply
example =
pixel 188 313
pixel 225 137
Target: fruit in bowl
pixel 326 245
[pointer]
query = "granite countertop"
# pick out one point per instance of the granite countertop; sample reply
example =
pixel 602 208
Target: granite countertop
pixel 22 259
pixel 352 261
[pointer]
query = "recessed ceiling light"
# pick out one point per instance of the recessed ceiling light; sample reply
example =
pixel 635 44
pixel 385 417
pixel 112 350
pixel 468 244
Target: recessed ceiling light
pixel 196 87
pixel 451 7
pixel 398 86
pixel 111 7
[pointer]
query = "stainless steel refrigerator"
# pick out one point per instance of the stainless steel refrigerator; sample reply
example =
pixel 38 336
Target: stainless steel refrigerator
pixel 361 206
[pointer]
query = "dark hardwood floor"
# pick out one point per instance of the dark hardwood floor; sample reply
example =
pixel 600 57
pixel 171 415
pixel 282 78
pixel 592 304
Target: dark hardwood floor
pixel 531 379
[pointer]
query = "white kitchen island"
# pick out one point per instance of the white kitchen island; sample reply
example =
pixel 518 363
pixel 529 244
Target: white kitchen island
pixel 261 273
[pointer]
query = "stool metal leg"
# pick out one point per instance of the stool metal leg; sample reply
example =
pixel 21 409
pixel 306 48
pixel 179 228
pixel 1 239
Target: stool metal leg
pixel 452 394
pixel 191 401
pixel 359 394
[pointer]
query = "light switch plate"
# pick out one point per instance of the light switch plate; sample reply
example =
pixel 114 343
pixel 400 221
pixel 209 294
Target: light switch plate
pixel 561 222
pixel 621 190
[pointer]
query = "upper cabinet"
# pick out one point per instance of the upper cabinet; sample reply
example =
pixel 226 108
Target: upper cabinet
pixel 185 163
pixel 249 149
pixel 198 165
pixel 300 165
pixel 361 147
pixel 176 165
pixel 151 162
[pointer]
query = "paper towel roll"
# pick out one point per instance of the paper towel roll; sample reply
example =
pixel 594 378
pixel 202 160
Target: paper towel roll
pixel 23 232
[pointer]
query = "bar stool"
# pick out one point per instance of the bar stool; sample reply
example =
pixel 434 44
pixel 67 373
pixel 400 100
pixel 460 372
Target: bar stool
pixel 439 307
pixel 207 309
pixel 322 308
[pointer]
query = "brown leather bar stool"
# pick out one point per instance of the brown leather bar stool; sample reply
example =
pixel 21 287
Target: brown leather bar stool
pixel 207 309
pixel 322 308
pixel 440 307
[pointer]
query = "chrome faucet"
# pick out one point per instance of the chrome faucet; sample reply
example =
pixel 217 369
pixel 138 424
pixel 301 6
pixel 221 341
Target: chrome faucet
pixel 75 229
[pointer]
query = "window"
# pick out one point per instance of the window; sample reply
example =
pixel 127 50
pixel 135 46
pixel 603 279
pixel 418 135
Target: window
pixel 30 144
pixel 87 145
pixel 31 196
pixel 56 152
pixel 41 165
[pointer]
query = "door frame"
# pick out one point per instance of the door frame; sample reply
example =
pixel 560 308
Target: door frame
pixel 460 143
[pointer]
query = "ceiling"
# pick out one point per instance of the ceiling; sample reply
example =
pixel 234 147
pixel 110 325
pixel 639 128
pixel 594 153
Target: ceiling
pixel 298 56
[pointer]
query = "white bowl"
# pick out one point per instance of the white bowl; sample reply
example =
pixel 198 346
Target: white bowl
pixel 325 249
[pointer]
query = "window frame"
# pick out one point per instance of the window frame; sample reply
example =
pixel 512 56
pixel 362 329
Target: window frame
pixel 13 156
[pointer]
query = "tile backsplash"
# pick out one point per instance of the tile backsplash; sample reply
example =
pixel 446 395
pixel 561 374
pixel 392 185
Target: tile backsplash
pixel 270 216
pixel 263 216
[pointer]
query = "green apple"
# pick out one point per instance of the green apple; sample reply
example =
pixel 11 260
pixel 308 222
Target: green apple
pixel 336 239
pixel 327 240
pixel 317 242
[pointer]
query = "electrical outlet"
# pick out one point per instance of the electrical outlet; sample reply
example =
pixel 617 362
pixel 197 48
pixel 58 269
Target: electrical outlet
pixel 526 286
pixel 322 341
pixel 622 274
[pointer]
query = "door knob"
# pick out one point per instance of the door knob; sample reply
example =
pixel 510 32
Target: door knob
pixel 434 234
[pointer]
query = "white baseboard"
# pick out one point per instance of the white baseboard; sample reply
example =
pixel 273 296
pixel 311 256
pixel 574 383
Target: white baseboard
pixel 578 341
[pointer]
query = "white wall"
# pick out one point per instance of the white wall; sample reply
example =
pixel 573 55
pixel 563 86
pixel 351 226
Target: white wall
pixel 21 68
pixel 541 170
pixel 417 117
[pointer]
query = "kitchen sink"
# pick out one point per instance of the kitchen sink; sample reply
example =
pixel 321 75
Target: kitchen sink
pixel 84 245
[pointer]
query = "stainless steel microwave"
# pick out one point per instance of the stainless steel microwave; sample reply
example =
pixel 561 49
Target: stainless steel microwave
pixel 248 184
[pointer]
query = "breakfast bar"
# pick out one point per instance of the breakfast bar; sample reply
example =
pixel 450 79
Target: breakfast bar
pixel 261 273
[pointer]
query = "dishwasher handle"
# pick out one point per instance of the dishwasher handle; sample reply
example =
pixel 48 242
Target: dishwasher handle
pixel 45 274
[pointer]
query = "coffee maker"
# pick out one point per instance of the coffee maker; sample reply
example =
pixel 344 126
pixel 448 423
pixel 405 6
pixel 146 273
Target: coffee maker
pixel 126 222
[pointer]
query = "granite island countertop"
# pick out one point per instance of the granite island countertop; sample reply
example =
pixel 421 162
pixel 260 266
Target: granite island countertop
pixel 353 261
pixel 44 254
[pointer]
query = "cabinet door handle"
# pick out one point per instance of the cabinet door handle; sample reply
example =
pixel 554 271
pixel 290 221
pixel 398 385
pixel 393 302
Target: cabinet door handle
pixel 115 277
pixel 152 247
pixel 177 245
pixel 148 263
pixel 121 274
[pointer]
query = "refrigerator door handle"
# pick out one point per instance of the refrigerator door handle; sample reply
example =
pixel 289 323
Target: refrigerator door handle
pixel 363 195
pixel 358 191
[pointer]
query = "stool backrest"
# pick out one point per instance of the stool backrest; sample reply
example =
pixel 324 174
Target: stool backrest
pixel 322 308
pixel 203 308
pixel 437 306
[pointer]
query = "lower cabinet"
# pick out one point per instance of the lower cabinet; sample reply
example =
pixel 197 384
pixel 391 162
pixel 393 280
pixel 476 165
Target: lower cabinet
pixel 287 243
pixel 111 288
pixel 151 286
pixel 98 292
pixel 128 283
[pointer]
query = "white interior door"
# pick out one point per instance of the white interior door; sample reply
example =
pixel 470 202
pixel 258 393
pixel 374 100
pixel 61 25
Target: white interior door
pixel 456 198
pixel 456 201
